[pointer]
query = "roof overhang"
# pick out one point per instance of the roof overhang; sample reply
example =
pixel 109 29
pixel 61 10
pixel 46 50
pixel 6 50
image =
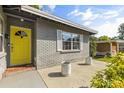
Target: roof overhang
pixel 55 18
pixel 110 41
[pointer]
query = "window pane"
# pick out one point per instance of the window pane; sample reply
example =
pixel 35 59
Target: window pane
pixel 66 36
pixel 76 45
pixel 66 45
pixel 75 37
pixel 71 41
pixel 1 43
pixel 76 41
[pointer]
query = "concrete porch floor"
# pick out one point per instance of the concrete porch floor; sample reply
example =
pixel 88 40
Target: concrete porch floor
pixel 25 79
pixel 80 77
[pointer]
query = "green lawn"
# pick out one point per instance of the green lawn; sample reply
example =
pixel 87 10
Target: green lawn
pixel 105 59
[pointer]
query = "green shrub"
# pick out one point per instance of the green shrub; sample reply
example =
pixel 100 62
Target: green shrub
pixel 108 55
pixel 112 76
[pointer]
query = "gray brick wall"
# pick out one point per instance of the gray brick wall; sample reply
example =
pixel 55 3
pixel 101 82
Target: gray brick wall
pixel 2 63
pixel 47 54
pixel 2 55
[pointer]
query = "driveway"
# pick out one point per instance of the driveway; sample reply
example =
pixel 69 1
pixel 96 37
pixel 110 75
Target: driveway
pixel 28 79
pixel 80 77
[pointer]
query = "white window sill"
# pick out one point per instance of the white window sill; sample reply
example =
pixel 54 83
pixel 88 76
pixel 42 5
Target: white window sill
pixel 2 54
pixel 69 51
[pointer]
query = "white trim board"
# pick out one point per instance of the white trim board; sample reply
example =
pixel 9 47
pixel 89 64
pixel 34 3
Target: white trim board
pixel 55 18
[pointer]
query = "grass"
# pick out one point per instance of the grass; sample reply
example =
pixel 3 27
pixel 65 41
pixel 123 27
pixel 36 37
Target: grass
pixel 105 59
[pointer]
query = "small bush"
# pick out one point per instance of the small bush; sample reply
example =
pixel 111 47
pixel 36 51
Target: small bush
pixel 108 55
pixel 112 76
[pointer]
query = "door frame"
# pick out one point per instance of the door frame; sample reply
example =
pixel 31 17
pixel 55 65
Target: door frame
pixel 10 65
pixel 27 23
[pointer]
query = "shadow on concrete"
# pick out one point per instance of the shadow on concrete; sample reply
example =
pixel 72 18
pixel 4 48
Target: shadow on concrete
pixel 83 64
pixel 55 74
pixel 84 87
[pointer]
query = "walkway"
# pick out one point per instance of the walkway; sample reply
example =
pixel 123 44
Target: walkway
pixel 80 77
pixel 28 79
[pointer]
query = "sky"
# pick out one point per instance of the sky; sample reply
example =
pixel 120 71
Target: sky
pixel 103 18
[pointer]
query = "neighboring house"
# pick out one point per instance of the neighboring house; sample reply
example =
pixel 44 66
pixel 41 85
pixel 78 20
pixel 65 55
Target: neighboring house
pixel 31 36
pixel 111 47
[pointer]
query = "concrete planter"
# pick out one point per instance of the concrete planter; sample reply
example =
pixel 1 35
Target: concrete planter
pixel 66 69
pixel 88 60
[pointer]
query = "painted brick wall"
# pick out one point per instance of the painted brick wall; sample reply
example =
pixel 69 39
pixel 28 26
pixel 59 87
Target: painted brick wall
pixel 2 55
pixel 47 54
pixel 2 63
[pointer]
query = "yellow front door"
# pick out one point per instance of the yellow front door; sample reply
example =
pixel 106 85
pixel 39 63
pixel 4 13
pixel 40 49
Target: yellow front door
pixel 20 45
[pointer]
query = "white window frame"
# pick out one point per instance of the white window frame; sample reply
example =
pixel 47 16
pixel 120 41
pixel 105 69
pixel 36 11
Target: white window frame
pixel 71 41
pixel 60 42
pixel 2 35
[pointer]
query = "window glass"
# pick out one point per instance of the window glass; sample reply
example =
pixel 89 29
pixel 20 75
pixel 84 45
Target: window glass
pixel 66 45
pixel 76 45
pixel 70 41
pixel 66 37
pixel 76 37
pixel 76 41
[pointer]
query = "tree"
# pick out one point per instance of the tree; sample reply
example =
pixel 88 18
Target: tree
pixel 121 31
pixel 104 38
pixel 112 76
pixel 35 6
pixel 93 45
pixel 115 38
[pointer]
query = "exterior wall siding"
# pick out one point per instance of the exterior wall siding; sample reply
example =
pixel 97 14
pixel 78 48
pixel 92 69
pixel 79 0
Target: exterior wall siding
pixel 2 63
pixel 114 46
pixel 2 54
pixel 121 47
pixel 47 54
pixel 103 47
